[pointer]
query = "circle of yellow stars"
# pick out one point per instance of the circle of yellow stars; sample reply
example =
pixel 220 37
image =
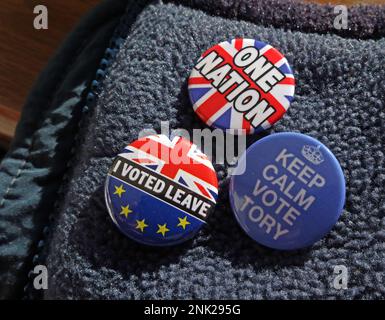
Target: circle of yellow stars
pixel 141 224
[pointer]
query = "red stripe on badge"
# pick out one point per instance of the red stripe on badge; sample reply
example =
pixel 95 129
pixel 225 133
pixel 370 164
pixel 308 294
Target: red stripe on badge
pixel 287 80
pixel 198 80
pixel 273 55
pixel 212 105
pixel 238 44
pixel 202 189
pixel 175 159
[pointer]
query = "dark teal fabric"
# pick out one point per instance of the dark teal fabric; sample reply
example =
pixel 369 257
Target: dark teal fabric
pixel 33 169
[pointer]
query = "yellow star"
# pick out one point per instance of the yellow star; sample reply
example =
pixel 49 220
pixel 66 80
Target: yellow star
pixel 141 225
pixel 183 222
pixel 125 210
pixel 162 229
pixel 119 190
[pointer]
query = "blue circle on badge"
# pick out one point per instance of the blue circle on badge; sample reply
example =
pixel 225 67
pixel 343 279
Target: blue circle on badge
pixel 159 191
pixel 287 191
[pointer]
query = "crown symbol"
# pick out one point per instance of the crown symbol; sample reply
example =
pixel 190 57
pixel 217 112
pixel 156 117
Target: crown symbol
pixel 313 154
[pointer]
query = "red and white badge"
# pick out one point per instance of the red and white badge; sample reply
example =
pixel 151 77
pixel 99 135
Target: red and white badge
pixel 241 84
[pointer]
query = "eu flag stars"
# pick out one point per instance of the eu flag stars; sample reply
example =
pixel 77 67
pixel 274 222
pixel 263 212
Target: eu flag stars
pixel 160 191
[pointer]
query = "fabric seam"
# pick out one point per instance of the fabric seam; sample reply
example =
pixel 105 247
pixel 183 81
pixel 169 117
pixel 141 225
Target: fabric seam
pixel 30 146
pixel 15 177
pixel 90 100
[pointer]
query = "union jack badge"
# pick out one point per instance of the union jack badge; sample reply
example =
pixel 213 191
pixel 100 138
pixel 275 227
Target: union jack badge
pixel 160 191
pixel 243 85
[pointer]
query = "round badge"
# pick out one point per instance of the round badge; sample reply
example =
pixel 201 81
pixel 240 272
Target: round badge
pixel 244 85
pixel 160 191
pixel 287 191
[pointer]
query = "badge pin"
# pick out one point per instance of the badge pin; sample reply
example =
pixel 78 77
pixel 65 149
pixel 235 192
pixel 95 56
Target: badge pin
pixel 291 191
pixel 160 191
pixel 243 85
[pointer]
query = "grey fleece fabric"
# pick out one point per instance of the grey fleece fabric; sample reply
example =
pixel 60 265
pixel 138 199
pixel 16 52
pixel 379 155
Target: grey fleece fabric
pixel 339 100
pixel 364 21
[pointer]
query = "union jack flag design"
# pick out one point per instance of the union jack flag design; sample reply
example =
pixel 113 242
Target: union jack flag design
pixel 161 191
pixel 177 159
pixel 211 104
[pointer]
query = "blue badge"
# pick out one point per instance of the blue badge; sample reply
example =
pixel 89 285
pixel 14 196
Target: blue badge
pixel 160 191
pixel 287 191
